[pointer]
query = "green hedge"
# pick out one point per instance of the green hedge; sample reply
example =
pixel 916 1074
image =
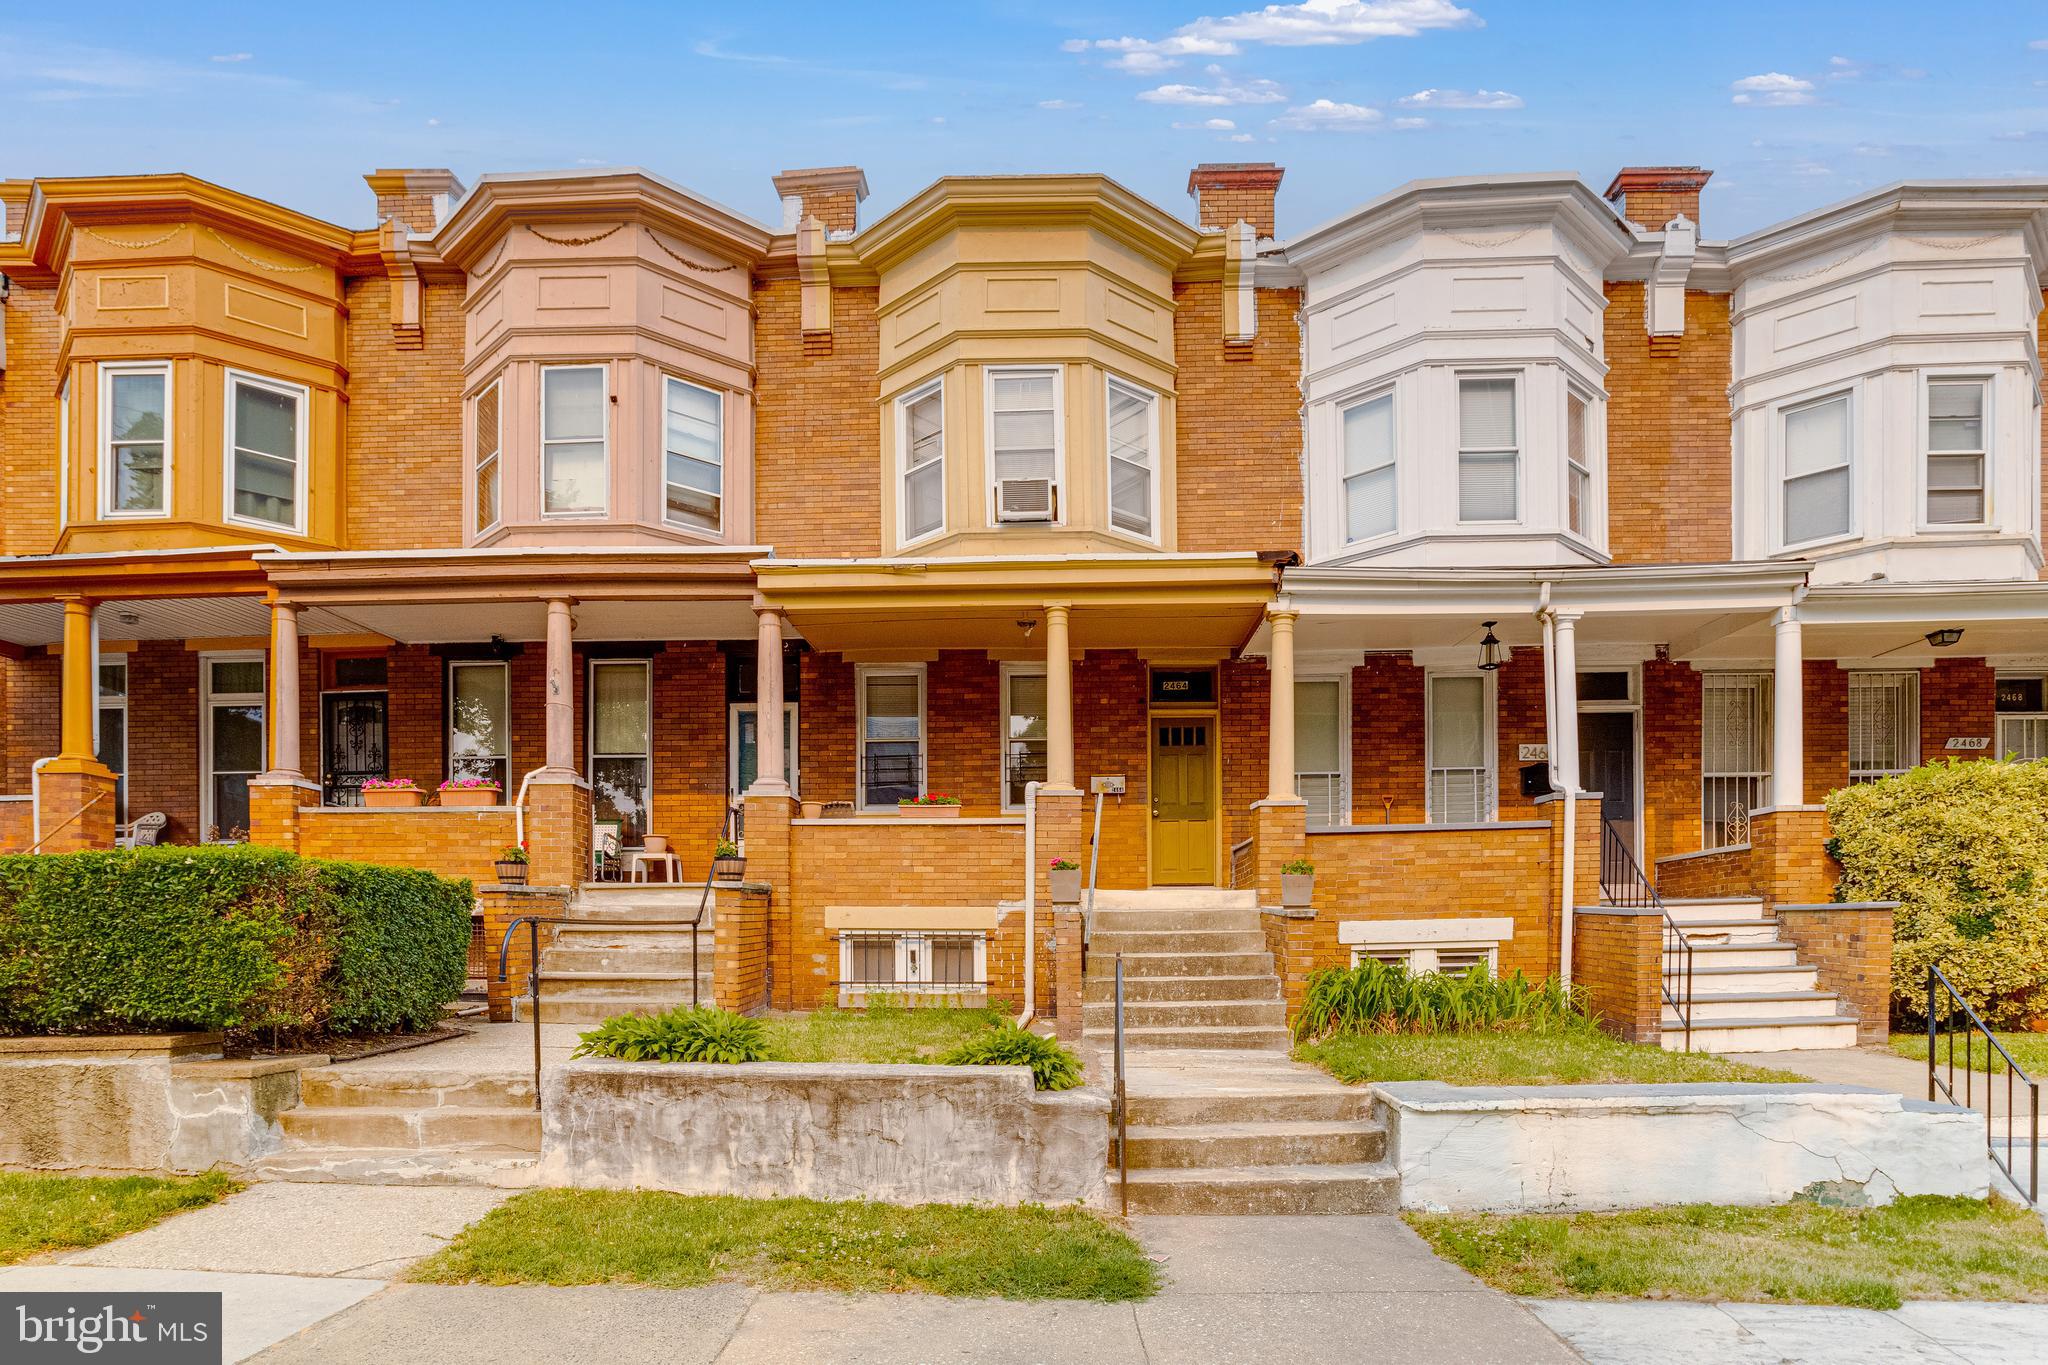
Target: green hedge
pixel 233 938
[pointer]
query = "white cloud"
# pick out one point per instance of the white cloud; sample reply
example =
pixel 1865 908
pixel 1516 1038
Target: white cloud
pixel 2038 45
pixel 1225 90
pixel 1314 23
pixel 1330 116
pixel 1240 137
pixel 1409 125
pixel 231 57
pixel 1207 125
pixel 1461 99
pixel 1059 104
pixel 1773 89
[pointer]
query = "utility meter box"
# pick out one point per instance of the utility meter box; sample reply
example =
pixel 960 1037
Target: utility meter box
pixel 1107 785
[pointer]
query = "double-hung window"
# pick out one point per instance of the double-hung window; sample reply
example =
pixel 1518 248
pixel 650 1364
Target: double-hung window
pixel 891 736
pixel 574 422
pixel 921 431
pixel 479 722
pixel 1133 441
pixel 694 444
pixel 1957 442
pixel 1320 739
pixel 1817 482
pixel 266 436
pixel 1735 754
pixel 1369 497
pixel 1578 463
pixel 2022 708
pixel 487 466
pixel 1024 444
pixel 233 742
pixel 1489 449
pixel 135 440
pixel 1461 758
pixel 111 745
pixel 1024 733
pixel 64 454
pixel 1884 724
pixel 621 755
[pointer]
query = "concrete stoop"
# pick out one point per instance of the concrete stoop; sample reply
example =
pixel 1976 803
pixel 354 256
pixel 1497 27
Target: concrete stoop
pixel 1750 992
pixel 1196 971
pixel 596 968
pixel 382 1125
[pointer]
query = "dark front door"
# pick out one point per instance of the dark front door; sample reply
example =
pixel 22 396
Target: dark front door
pixel 354 745
pixel 1607 764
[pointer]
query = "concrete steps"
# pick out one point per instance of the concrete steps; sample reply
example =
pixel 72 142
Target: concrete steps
pixel 597 967
pixel 558 1006
pixel 1267 1142
pixel 1263 986
pixel 504 1168
pixel 1141 1014
pixel 1101 964
pixel 1710 908
pixel 1182 941
pixel 398 1125
pixel 1748 991
pixel 1762 1034
pixel 1370 1187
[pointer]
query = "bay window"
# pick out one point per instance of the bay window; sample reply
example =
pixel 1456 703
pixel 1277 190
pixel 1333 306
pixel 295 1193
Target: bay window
pixel 266 439
pixel 487 464
pixel 921 434
pixel 1957 443
pixel 1817 481
pixel 1578 469
pixel 575 423
pixel 1461 754
pixel 693 446
pixel 891 729
pixel 1369 494
pixel 1489 451
pixel 135 440
pixel 479 722
pixel 1133 440
pixel 1884 724
pixel 1024 444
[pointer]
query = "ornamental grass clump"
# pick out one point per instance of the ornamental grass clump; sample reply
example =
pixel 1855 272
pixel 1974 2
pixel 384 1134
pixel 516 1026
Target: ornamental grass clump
pixel 1963 848
pixel 1052 1066
pixel 700 1034
pixel 1374 997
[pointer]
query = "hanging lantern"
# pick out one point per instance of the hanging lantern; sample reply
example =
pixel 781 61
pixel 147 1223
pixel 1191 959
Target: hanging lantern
pixel 1492 653
pixel 1945 637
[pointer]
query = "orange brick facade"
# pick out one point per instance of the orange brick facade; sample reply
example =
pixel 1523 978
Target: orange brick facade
pixel 1668 481
pixel 1238 424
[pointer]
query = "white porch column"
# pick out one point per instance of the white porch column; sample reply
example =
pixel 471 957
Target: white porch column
pixel 1564 674
pixel 768 693
pixel 561 685
pixel 284 689
pixel 1059 700
pixel 1280 708
pixel 1788 720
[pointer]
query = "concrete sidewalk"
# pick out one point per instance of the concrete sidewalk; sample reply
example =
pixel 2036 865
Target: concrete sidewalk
pixel 1800 1334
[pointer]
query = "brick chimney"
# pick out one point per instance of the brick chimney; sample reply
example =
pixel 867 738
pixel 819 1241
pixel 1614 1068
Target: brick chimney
pixel 1651 196
pixel 831 194
pixel 14 200
pixel 418 198
pixel 1226 191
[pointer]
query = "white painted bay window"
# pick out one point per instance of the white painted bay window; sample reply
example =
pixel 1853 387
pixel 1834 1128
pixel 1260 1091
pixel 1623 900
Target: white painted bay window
pixel 1024 444
pixel 1461 751
pixel 266 438
pixel 1133 446
pixel 693 444
pixel 1578 469
pixel 1817 472
pixel 891 735
pixel 575 422
pixel 1369 494
pixel 1489 450
pixel 135 440
pixel 1321 744
pixel 479 721
pixel 1884 724
pixel 1957 445
pixel 1735 754
pixel 487 464
pixel 921 434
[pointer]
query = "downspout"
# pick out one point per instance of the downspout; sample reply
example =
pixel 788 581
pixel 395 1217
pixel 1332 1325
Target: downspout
pixel 1567 916
pixel 1030 903
pixel 519 809
pixel 35 800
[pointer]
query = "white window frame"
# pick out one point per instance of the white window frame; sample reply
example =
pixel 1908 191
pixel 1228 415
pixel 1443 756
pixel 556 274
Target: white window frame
pixel 1009 672
pixel 1520 380
pixel 1762 680
pixel 1111 383
pixel 590 752
pixel 448 717
pixel 604 408
pixel 1341 808
pixel 64 453
pixel 1419 958
pixel 1390 393
pixel 496 459
pixel 989 375
pixel 718 395
pixel 208 699
pixel 1907 744
pixel 303 397
pixel 105 380
pixel 861 674
pixel 935 386
pixel 908 982
pixel 1631 707
pixel 733 711
pixel 1589 501
pixel 102 705
pixel 2029 718
pixel 1781 415
pixel 1491 752
pixel 1984 382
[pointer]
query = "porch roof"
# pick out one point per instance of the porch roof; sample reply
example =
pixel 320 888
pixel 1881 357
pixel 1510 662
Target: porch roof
pixel 1198 604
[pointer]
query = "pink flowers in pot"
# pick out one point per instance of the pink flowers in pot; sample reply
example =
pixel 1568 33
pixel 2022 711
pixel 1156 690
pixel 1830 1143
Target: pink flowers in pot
pixel 466 784
pixel 389 784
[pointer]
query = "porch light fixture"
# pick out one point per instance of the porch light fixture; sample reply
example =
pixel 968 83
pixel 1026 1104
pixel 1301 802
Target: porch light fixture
pixel 1027 625
pixel 1492 653
pixel 501 650
pixel 1946 637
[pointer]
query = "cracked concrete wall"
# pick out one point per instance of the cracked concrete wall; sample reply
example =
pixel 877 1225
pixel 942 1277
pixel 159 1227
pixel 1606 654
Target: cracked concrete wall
pixel 900 1134
pixel 1570 1148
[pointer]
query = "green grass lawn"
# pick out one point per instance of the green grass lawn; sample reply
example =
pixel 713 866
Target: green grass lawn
pixel 675 1241
pixel 2030 1050
pixel 1576 1057
pixel 1928 1247
pixel 877 1034
pixel 40 1213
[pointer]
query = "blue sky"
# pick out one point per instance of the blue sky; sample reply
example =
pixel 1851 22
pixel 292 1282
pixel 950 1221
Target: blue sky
pixel 1792 104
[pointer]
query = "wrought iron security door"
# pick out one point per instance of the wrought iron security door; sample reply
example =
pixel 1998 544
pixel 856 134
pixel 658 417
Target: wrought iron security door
pixel 355 739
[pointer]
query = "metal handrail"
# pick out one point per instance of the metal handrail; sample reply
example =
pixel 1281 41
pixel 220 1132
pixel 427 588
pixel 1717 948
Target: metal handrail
pixel 1622 883
pixel 1938 984
pixel 68 821
pixel 1119 1110
pixel 533 976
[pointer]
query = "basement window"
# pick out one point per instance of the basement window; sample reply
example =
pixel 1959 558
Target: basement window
pixel 946 963
pixel 1451 959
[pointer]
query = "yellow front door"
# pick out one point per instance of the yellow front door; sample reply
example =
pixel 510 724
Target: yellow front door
pixel 1183 802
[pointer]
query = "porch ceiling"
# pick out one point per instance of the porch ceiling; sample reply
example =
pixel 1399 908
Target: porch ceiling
pixel 448 622
pixel 157 618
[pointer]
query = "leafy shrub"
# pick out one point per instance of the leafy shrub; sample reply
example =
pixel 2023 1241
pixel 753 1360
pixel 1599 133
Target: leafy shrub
pixel 239 939
pixel 1963 848
pixel 1376 998
pixel 701 1034
pixel 1052 1066
pixel 1298 867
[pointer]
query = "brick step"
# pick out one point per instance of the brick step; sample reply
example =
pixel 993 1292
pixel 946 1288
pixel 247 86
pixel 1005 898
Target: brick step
pixel 1748 1004
pixel 1177 898
pixel 1763 1035
pixel 1236 1038
pixel 344 1087
pixel 1280 1143
pixel 1232 920
pixel 1102 964
pixel 1703 931
pixel 1685 908
pixel 1713 980
pixel 1779 954
pixel 624 957
pixel 1177 941
pixel 441 1127
pixel 1099 990
pixel 1322 1104
pixel 1185 1014
pixel 1368 1187
pixel 498 1167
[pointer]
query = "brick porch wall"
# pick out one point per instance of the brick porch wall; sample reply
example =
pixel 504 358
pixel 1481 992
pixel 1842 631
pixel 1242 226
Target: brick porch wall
pixel 1852 947
pixel 450 843
pixel 1618 960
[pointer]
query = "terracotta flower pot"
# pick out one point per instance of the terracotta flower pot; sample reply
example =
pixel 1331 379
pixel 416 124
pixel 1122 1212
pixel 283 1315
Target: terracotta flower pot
pixel 654 843
pixel 1297 890
pixel 470 796
pixel 1065 885
pixel 391 798
pixel 814 810
pixel 929 812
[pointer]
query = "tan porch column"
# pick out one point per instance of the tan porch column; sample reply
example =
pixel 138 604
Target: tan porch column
pixel 284 690
pixel 80 701
pixel 561 702
pixel 1280 708
pixel 1059 700
pixel 74 790
pixel 768 692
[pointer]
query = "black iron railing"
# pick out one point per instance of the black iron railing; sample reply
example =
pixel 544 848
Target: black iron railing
pixel 1622 883
pixel 889 778
pixel 912 962
pixel 1950 1017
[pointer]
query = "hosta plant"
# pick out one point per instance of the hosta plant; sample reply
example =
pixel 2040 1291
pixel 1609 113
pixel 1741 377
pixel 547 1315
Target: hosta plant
pixel 680 1035
pixel 1052 1066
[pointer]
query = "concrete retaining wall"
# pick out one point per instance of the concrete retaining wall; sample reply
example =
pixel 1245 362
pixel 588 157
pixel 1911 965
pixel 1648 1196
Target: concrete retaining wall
pixel 158 1102
pixel 1588 1147
pixel 900 1134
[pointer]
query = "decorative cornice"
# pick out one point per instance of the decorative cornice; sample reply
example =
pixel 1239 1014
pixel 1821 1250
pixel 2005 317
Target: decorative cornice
pixel 1468 205
pixel 498 201
pixel 1095 201
pixel 1923 206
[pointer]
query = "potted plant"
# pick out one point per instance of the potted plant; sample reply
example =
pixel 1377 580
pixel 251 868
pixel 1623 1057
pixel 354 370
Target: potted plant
pixel 511 865
pixel 1063 878
pixel 654 843
pixel 383 793
pixel 470 791
pixel 932 805
pixel 728 864
pixel 1297 884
